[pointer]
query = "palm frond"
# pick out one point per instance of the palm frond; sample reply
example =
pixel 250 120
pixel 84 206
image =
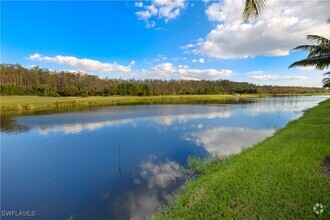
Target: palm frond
pixel 327 73
pixel 320 62
pixel 326 82
pixel 319 53
pixel 318 39
pixel 252 9
pixel 304 47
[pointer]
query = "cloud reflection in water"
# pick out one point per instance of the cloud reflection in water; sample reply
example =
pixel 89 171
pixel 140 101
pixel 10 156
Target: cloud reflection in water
pixel 76 128
pixel 160 174
pixel 164 120
pixel 228 140
pixel 155 183
pixel 182 118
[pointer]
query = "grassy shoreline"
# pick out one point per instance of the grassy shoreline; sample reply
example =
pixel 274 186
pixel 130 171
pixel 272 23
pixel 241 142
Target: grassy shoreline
pixel 282 177
pixel 28 103
pixel 16 104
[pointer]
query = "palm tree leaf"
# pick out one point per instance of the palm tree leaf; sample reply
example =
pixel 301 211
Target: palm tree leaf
pixel 318 39
pixel 326 82
pixel 327 73
pixel 304 47
pixel 252 9
pixel 319 51
pixel 319 54
pixel 320 62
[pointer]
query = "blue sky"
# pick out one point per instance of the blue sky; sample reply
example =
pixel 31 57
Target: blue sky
pixel 164 39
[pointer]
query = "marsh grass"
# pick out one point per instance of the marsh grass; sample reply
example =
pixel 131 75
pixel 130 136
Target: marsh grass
pixel 28 103
pixel 198 166
pixel 17 107
pixel 278 178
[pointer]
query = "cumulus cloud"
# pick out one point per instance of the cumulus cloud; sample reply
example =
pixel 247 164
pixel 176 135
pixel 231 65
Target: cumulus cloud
pixel 159 9
pixel 85 65
pixel 274 77
pixel 215 12
pixel 159 71
pixel 283 25
pixel 306 68
pixel 169 71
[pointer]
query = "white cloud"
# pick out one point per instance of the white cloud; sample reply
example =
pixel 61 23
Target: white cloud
pixel 214 12
pixel 150 24
pixel 131 63
pixel 144 15
pixel 256 72
pixel 201 60
pixel 274 77
pixel 169 71
pixel 159 58
pixel 35 56
pixel 306 68
pixel 138 4
pixel 160 9
pixel 282 25
pixel 159 71
pixel 85 65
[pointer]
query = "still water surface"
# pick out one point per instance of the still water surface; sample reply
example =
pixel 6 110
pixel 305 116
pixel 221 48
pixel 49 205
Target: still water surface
pixel 122 162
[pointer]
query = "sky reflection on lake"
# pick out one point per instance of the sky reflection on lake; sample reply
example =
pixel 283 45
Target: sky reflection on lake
pixel 122 162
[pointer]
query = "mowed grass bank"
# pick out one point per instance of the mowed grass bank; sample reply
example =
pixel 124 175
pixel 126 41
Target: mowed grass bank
pixel 27 103
pixel 283 177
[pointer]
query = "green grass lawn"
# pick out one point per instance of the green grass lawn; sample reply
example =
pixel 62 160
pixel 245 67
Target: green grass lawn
pixel 22 103
pixel 280 178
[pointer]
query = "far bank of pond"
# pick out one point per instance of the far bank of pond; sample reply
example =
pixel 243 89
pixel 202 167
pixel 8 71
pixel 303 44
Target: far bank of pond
pixel 15 104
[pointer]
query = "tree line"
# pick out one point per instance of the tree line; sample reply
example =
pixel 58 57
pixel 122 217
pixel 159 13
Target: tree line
pixel 17 80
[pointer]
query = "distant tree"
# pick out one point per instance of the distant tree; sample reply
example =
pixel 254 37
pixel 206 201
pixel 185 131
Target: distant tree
pixel 70 90
pixel 17 80
pixel 84 91
pixel 9 89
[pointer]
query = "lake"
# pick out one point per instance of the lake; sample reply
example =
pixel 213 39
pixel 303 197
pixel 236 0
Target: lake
pixel 123 162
